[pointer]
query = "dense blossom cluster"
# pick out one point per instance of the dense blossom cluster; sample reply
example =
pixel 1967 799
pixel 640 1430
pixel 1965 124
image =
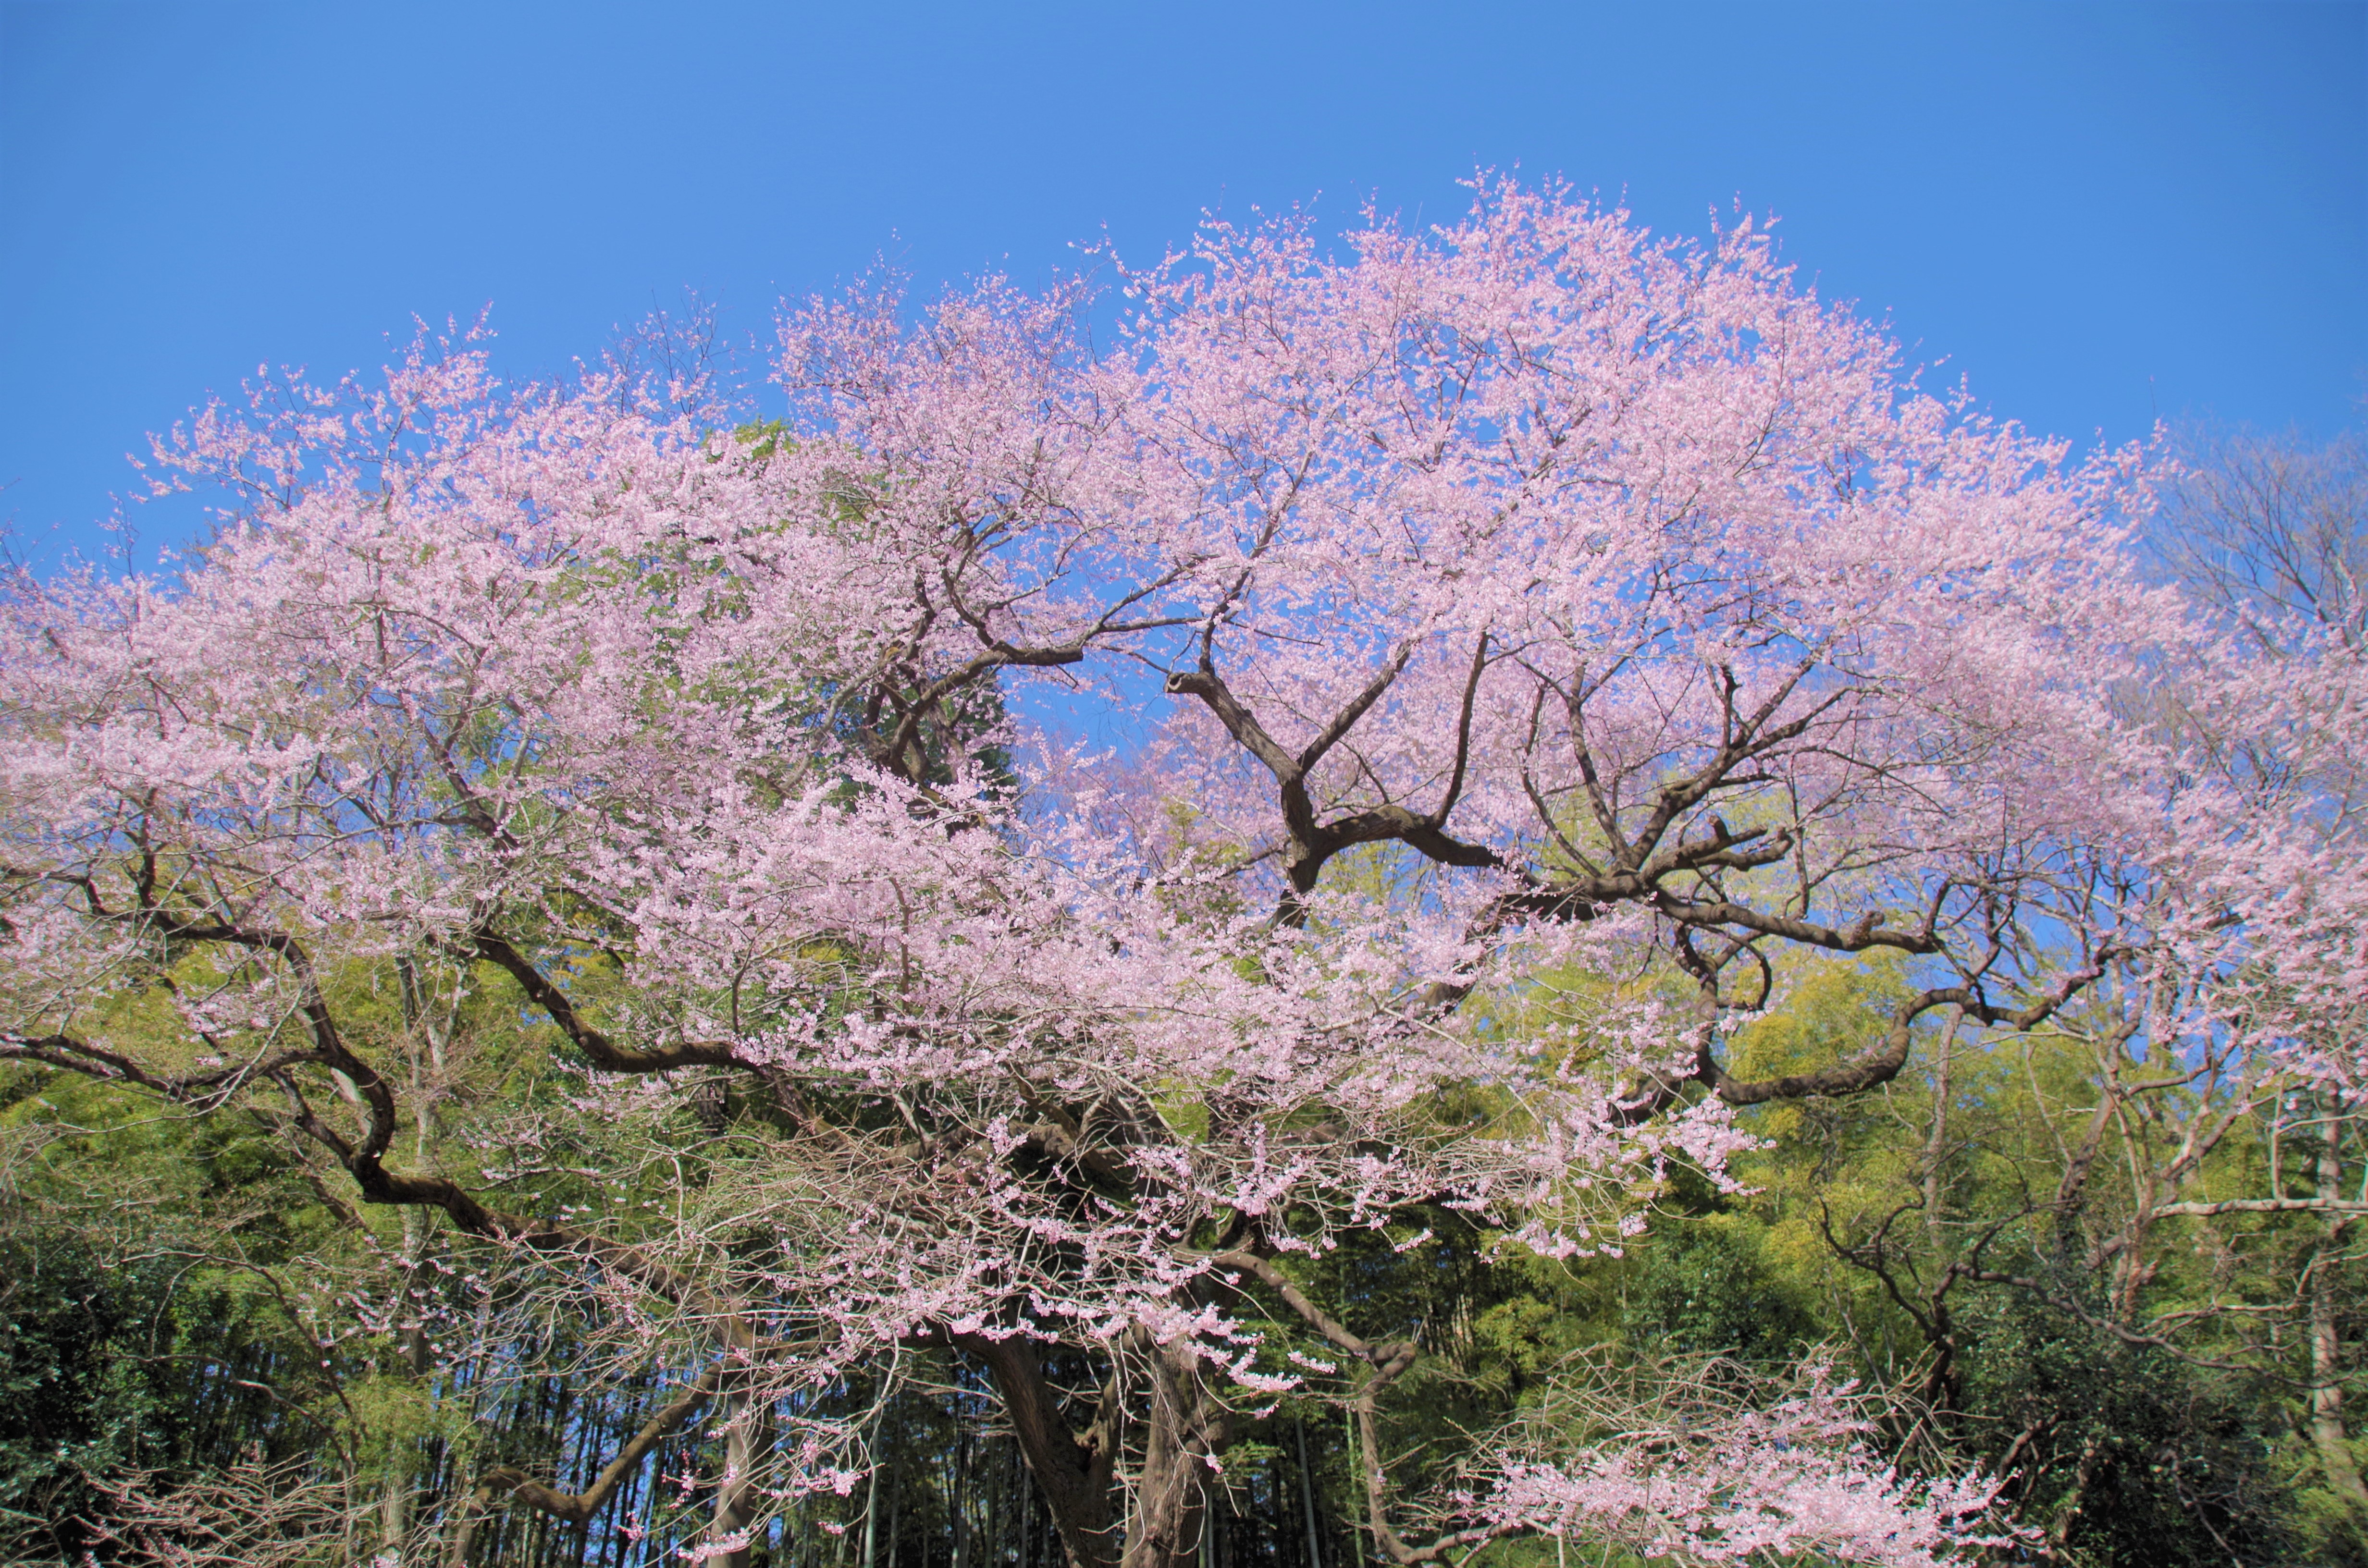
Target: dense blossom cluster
pixel 1548 639
pixel 1731 1485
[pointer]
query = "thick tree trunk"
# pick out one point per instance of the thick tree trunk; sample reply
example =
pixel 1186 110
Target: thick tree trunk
pixel 2327 1351
pixel 1184 1431
pixel 2074 1502
pixel 872 1507
pixel 394 1511
pixel 421 1022
pixel 1944 1386
pixel 1071 1470
pixel 957 1499
pixel 745 1439
pixel 1307 1497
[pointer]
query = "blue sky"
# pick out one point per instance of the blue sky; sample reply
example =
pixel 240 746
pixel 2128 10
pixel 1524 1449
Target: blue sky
pixel 2094 213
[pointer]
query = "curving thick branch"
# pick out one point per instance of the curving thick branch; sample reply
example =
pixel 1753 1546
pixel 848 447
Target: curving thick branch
pixel 507 1481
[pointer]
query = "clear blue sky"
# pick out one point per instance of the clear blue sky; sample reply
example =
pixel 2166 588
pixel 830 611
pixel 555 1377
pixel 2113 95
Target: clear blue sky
pixel 2092 212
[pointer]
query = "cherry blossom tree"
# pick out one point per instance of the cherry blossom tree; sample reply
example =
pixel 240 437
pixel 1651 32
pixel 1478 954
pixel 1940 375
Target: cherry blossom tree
pixel 1547 639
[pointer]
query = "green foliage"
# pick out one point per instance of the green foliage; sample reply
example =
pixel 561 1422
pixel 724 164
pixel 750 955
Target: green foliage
pixel 2176 1464
pixel 148 1324
pixel 1706 1288
pixel 75 1395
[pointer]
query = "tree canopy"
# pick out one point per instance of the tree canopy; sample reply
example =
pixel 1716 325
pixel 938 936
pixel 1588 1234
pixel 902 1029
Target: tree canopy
pixel 1125 889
